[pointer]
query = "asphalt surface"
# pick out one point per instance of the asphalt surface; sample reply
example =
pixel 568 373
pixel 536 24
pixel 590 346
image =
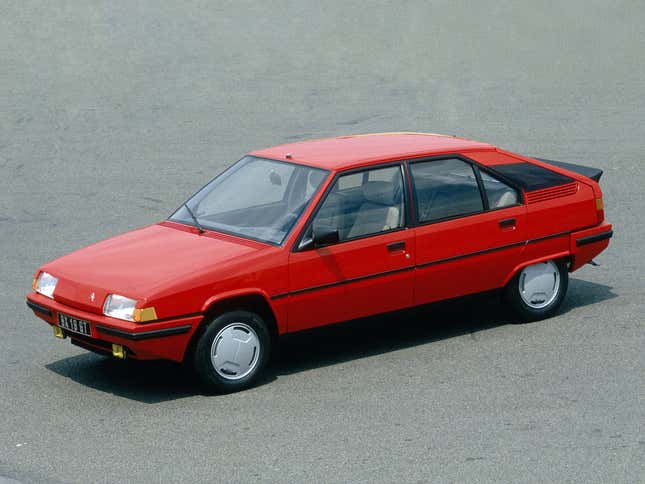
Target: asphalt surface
pixel 112 113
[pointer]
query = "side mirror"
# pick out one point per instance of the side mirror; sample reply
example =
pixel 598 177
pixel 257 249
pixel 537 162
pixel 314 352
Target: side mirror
pixel 325 235
pixel 322 236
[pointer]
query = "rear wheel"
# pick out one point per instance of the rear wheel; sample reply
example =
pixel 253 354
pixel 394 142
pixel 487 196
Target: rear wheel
pixel 537 291
pixel 232 352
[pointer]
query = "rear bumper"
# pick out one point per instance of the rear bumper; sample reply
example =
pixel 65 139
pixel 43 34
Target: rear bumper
pixel 587 244
pixel 167 339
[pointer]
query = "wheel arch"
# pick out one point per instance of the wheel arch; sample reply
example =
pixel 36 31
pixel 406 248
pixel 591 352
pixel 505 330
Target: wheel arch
pixel 565 255
pixel 253 300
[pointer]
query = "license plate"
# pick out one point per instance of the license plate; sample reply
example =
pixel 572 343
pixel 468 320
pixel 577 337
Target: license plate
pixel 73 324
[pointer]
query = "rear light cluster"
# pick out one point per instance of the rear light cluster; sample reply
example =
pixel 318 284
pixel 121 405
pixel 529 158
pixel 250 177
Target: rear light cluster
pixel 600 209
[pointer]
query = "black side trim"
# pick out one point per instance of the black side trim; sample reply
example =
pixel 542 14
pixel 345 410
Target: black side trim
pixel 471 254
pixel 588 171
pixel 547 237
pixel 494 249
pixel 340 283
pixel 157 333
pixel 38 308
pixel 590 239
pixel 531 177
pixel 173 318
pixel 418 266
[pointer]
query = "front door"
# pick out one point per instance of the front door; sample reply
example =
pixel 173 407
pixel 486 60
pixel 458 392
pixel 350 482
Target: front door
pixel 370 269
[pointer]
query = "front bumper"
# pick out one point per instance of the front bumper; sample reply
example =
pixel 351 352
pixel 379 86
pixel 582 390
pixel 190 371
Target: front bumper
pixel 166 339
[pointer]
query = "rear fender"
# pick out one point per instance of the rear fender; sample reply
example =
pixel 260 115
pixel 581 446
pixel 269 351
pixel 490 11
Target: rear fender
pixel 519 267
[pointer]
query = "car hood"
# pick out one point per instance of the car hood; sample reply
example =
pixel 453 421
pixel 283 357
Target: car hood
pixel 143 262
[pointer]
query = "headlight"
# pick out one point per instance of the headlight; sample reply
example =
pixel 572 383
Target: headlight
pixel 122 307
pixel 119 307
pixel 45 284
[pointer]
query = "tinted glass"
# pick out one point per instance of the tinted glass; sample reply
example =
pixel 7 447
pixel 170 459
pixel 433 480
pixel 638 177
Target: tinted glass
pixel 531 177
pixel 499 194
pixel 256 198
pixel 363 203
pixel 444 189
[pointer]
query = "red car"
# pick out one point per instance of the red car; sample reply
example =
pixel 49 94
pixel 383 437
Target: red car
pixel 316 232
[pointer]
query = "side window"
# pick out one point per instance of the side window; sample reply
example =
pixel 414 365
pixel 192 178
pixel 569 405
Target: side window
pixel 349 181
pixel 445 188
pixel 359 205
pixel 499 194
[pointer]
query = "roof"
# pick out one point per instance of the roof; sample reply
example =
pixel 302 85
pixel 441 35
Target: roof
pixel 363 149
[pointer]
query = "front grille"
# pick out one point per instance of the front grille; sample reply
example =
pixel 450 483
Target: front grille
pixel 552 192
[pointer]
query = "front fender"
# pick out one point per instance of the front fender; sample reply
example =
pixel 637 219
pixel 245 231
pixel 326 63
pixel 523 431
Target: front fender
pixel 277 306
pixel 223 296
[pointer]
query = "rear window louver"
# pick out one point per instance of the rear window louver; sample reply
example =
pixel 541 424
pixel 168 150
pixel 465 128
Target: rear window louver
pixel 552 192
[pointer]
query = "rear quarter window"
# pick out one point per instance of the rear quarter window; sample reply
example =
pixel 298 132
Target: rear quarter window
pixel 531 177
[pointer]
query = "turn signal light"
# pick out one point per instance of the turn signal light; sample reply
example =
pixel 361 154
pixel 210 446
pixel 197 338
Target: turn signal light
pixel 144 314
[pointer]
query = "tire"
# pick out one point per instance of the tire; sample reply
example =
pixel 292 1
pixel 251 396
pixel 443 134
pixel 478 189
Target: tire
pixel 232 352
pixel 537 291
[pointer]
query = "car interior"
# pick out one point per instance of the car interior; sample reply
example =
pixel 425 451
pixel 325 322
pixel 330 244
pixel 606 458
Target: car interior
pixel 372 207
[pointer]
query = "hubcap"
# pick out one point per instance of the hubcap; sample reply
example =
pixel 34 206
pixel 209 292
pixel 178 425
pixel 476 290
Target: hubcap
pixel 539 284
pixel 235 351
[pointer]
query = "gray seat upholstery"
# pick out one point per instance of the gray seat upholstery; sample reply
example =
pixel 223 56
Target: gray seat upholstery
pixel 508 198
pixel 381 210
pixel 332 212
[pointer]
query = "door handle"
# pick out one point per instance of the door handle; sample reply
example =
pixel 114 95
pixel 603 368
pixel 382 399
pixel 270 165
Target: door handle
pixel 507 223
pixel 396 246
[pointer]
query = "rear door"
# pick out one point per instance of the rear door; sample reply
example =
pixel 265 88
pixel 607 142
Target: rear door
pixel 370 269
pixel 470 228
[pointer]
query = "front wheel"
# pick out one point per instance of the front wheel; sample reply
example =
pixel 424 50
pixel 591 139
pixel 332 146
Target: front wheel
pixel 537 291
pixel 232 352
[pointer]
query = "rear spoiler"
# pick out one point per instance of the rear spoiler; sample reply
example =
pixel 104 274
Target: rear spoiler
pixel 588 171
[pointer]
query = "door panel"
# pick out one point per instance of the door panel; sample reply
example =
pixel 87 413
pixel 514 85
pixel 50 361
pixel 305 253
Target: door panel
pixel 350 280
pixel 468 255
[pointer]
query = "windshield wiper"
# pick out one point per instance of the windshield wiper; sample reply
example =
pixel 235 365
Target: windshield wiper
pixel 197 224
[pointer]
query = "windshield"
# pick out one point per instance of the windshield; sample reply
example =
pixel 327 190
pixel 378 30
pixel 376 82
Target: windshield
pixel 255 198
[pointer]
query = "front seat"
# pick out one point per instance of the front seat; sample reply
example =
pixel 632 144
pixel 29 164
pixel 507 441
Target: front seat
pixel 380 211
pixel 332 212
pixel 508 198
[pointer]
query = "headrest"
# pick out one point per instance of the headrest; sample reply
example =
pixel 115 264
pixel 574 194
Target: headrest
pixel 382 192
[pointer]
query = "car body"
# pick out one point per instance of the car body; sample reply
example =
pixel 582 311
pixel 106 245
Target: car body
pixel 342 228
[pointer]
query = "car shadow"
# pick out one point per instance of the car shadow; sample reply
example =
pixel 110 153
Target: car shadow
pixel 419 326
pixel 143 381
pixel 159 381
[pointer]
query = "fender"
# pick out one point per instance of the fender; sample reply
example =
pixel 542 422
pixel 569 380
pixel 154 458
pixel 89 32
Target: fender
pixel 278 309
pixel 519 267
pixel 249 291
